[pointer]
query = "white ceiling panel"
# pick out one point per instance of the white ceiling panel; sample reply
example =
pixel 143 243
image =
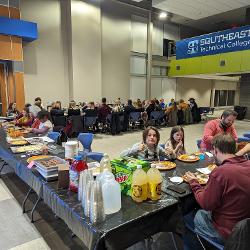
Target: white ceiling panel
pixel 198 9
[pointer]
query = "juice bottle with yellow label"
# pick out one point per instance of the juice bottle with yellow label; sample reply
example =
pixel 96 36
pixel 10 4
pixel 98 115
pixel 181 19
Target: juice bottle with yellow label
pixel 154 183
pixel 139 188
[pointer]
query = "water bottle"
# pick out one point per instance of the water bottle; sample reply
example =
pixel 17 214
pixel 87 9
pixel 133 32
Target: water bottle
pixel 105 174
pixel 105 163
pixel 111 192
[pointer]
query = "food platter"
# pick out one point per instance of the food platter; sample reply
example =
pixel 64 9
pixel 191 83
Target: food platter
pixel 49 163
pixel 188 158
pixel 164 165
pixel 201 178
pixel 36 157
pixel 19 142
pixel 23 149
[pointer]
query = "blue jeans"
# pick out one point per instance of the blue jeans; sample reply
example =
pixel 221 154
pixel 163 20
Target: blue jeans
pixel 204 226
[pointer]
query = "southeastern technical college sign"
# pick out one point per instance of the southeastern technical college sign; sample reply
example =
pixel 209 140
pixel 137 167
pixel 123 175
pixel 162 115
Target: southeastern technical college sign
pixel 214 43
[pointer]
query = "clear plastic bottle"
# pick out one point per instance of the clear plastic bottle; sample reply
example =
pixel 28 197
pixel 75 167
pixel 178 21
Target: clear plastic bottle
pixel 111 192
pixel 154 183
pixel 105 174
pixel 139 189
pixel 105 163
pixel 76 168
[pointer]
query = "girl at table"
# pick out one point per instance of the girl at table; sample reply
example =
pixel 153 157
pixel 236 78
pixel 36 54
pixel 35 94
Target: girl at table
pixel 148 149
pixel 175 144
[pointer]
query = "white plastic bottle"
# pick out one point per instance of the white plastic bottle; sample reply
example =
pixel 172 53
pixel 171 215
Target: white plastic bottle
pixel 103 175
pixel 105 163
pixel 111 192
pixel 139 189
pixel 154 183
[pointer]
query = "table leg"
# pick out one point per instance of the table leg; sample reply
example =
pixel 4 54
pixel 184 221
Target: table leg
pixel 25 199
pixel 4 164
pixel 33 209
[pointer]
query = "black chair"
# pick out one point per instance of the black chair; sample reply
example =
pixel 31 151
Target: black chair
pixel 134 119
pixel 77 124
pixel 59 121
pixel 157 117
pixel 90 122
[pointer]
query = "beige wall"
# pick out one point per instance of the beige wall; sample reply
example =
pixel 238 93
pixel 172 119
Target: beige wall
pixel 45 64
pixel 116 42
pixel 199 89
pixel 86 51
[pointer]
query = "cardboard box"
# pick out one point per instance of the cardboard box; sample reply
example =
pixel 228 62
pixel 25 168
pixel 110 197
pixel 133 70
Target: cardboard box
pixel 123 169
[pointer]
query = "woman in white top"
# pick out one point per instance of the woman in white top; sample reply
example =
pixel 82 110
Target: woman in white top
pixel 45 125
pixel 175 144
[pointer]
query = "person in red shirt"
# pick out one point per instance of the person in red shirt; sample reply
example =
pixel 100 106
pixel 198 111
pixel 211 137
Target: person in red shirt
pixel 219 126
pixel 225 199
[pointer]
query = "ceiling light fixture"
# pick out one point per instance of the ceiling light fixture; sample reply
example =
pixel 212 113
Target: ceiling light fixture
pixel 163 15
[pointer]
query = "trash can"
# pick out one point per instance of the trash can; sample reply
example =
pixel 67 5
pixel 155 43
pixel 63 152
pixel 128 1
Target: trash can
pixel 241 112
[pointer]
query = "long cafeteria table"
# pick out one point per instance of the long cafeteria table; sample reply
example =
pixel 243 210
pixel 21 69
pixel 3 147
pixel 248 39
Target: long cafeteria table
pixel 133 223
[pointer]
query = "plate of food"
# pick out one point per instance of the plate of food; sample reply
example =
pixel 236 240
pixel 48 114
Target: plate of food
pixel 164 165
pixel 37 157
pixel 188 158
pixel 23 149
pixel 49 163
pixel 15 134
pixel 19 142
pixel 211 167
pixel 201 178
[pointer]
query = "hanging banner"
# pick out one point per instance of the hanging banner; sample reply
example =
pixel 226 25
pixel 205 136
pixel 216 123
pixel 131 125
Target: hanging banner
pixel 214 43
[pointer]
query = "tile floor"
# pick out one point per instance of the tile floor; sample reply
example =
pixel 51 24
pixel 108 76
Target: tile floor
pixel 48 232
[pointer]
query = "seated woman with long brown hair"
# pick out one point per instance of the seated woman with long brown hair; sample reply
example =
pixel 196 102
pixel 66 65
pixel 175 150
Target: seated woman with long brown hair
pixel 175 144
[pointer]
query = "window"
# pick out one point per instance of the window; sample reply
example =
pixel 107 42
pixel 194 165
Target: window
pixel 224 98
pixel 230 98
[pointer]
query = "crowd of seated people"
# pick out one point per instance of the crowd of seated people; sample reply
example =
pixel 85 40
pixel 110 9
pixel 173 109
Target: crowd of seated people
pixel 172 113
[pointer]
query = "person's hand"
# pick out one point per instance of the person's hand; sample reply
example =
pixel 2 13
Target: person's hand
pixel 169 151
pixel 29 129
pixel 190 176
pixel 142 147
pixel 179 145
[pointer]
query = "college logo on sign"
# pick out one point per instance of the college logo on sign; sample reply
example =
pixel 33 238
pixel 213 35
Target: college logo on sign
pixel 193 47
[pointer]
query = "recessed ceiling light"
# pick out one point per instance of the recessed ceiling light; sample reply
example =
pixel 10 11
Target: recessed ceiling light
pixel 163 15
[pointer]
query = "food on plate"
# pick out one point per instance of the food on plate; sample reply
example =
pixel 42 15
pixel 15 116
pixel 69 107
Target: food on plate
pixel 50 162
pixel 18 142
pixel 201 178
pixel 188 158
pixel 36 157
pixel 23 149
pixel 15 133
pixel 211 167
pixel 164 165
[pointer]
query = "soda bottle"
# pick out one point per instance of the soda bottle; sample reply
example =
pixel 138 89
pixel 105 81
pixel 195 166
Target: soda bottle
pixel 105 163
pixel 76 168
pixel 139 189
pixel 154 183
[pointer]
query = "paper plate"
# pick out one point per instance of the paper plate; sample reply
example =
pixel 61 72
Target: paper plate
pixel 176 179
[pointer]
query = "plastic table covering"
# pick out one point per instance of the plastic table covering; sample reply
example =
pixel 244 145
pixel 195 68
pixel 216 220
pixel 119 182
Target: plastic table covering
pixel 134 222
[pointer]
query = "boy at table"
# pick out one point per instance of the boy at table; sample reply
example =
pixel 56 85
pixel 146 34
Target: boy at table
pixel 225 199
